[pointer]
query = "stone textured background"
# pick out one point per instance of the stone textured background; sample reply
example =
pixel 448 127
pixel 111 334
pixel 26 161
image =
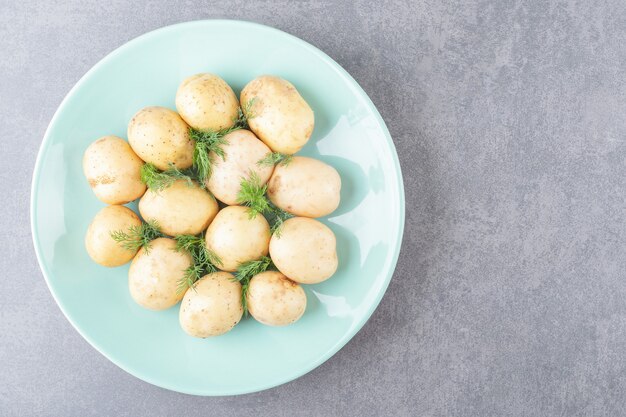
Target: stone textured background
pixel 510 294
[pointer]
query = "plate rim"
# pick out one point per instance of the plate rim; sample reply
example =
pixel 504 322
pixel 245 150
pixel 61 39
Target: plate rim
pixel 346 337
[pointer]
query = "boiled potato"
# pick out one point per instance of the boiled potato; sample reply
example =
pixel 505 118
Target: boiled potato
pixel 274 299
pixel 277 113
pixel 206 102
pixel 236 238
pixel 305 187
pixel 180 209
pixel 242 152
pixel 155 272
pixel 212 307
pixel 100 245
pixel 159 136
pixel 113 170
pixel 304 250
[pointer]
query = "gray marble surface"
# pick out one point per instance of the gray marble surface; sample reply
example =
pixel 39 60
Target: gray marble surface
pixel 509 298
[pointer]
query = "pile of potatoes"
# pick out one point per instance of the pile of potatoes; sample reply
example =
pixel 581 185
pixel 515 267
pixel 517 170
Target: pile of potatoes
pixel 303 250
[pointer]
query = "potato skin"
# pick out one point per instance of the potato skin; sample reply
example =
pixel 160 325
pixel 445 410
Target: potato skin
pixel 278 114
pixel 305 250
pixel 159 136
pixel 242 152
pixel 113 170
pixel 98 241
pixel 213 307
pixel 275 300
pixel 236 238
pixel 154 274
pixel 305 187
pixel 179 209
pixel 206 102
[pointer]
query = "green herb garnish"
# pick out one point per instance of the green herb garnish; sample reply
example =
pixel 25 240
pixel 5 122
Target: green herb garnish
pixel 245 113
pixel 159 180
pixel 276 217
pixel 244 274
pixel 275 158
pixel 254 196
pixel 205 143
pixel 205 261
pixel 138 236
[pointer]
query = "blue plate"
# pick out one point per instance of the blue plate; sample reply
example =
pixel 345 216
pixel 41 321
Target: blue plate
pixel 349 134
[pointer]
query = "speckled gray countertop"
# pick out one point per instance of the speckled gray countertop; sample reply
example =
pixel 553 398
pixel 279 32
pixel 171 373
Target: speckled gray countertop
pixel 509 298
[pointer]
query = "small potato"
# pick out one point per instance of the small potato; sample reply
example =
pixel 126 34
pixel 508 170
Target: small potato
pixel 277 113
pixel 206 102
pixel 305 250
pixel 274 299
pixel 305 187
pixel 100 245
pixel 154 274
pixel 236 238
pixel 180 209
pixel 242 152
pixel 113 170
pixel 213 307
pixel 159 136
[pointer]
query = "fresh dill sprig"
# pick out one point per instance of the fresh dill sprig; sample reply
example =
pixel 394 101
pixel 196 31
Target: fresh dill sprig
pixel 205 261
pixel 159 180
pixel 275 158
pixel 205 143
pixel 191 275
pixel 244 274
pixel 252 194
pixel 247 108
pixel 244 114
pixel 247 270
pixel 276 217
pixel 241 120
pixel 138 236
